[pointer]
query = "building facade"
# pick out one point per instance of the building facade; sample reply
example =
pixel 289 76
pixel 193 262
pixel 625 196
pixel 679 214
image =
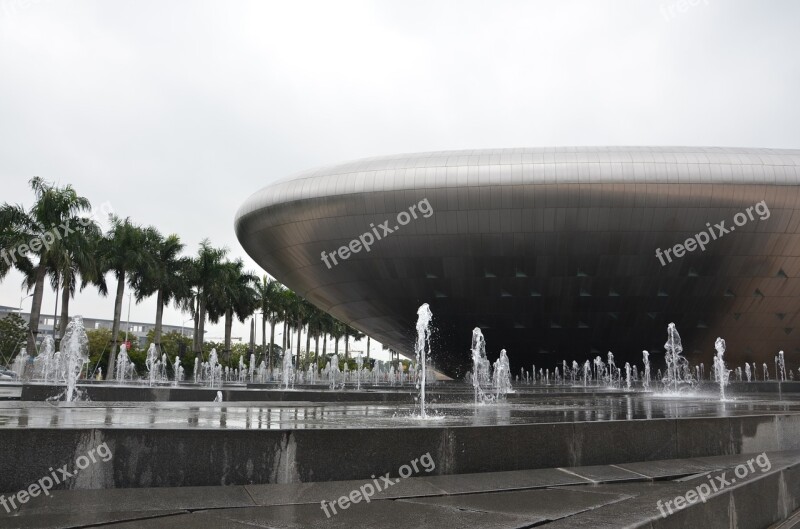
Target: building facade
pixel 555 253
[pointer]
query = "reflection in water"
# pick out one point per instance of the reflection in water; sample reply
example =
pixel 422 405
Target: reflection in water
pixel 524 408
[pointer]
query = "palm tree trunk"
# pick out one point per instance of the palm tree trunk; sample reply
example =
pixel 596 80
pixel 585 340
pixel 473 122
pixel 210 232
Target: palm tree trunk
pixel 112 360
pixel 263 334
pixel 285 335
pixel 347 347
pixel 196 337
pixel 159 317
pixel 308 344
pixel 36 308
pixel 65 294
pixel 316 352
pixel 271 340
pixel 336 346
pixel 228 327
pixel 324 344
pixel 367 347
pixel 201 328
pixel 299 330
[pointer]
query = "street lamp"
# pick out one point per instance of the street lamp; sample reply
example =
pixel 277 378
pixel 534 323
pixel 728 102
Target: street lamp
pixel 23 299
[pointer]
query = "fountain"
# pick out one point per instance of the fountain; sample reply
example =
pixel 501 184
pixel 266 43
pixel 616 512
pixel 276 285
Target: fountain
pixel 627 375
pixel 422 351
pixel 178 369
pixel 20 362
pixel 360 364
pixel 646 360
pixel 612 368
pixel 333 371
pixel 287 370
pixel 44 364
pixel 125 368
pixel 678 371
pixel 213 370
pixel 151 363
pixel 781 367
pixel 599 369
pixel 480 367
pixel 720 371
pixel 75 351
pixel 241 373
pixel 501 380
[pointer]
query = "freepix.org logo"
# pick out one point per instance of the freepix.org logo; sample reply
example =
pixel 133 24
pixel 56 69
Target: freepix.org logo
pixel 376 233
pixel 717 231
pixel 57 476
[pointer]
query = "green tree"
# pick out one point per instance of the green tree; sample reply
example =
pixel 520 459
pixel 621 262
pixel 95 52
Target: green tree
pixel 337 331
pixel 205 273
pixel 350 332
pixel 101 341
pixel 122 251
pixel 31 234
pixel 316 326
pixel 71 257
pixel 269 301
pixel 13 332
pixel 236 297
pixel 167 278
pixel 175 344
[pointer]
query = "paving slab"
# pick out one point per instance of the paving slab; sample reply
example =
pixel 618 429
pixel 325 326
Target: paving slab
pixel 298 493
pixel 603 473
pixel 372 515
pixel 78 519
pixel 510 480
pixel 670 468
pixel 147 499
pixel 538 504
pixel 184 521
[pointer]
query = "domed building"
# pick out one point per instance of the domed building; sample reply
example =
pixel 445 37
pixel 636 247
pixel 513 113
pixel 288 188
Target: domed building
pixel 555 253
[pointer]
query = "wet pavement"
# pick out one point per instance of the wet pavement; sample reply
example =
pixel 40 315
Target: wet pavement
pixel 606 496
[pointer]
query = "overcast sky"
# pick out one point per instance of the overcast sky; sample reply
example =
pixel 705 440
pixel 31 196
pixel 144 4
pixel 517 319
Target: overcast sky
pixel 174 112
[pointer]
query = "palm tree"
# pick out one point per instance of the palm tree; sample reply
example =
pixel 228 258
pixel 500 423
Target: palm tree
pixel 327 326
pixel 277 315
pixel 297 315
pixel 54 214
pixel 71 256
pixel 205 273
pixel 237 297
pixel 337 331
pixel 124 251
pixel 287 301
pixel 350 332
pixel 316 325
pixel 269 296
pixel 166 278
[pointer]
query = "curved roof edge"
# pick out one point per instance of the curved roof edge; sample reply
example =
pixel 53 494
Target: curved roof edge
pixel 544 165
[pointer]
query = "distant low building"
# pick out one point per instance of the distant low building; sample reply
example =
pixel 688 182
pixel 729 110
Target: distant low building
pixel 5 311
pixel 138 329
